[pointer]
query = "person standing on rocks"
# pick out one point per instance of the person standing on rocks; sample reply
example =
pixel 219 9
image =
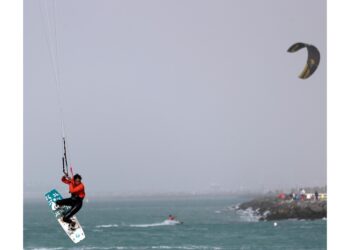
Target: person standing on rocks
pixel 316 195
pixel 302 194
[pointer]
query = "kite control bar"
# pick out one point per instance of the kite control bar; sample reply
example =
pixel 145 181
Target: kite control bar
pixel 65 161
pixel 64 158
pixel 63 167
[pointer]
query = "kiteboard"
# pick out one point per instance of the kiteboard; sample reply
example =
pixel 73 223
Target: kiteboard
pixel 75 235
pixel 173 222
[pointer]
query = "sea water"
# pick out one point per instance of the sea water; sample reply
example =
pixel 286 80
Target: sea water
pixel 139 223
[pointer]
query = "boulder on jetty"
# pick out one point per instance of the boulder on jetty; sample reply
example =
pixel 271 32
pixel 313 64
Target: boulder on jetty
pixel 271 208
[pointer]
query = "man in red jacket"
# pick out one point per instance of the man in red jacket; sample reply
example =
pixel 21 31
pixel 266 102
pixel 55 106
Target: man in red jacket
pixel 77 190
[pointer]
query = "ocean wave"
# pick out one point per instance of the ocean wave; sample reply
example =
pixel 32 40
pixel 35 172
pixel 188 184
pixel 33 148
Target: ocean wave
pixel 185 247
pixel 191 247
pixel 248 215
pixel 107 226
pixel 164 223
pixel 45 248
pixel 150 247
pixel 85 248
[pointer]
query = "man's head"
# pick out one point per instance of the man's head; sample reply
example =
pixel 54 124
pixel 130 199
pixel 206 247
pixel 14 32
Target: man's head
pixel 77 179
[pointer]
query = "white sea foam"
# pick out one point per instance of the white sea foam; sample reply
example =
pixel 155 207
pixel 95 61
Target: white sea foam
pixel 190 247
pixel 46 248
pixel 186 247
pixel 164 223
pixel 107 226
pixel 248 215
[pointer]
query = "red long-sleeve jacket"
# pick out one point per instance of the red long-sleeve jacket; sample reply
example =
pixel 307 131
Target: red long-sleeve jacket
pixel 77 190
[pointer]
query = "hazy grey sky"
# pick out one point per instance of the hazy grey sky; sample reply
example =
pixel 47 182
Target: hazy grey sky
pixel 176 95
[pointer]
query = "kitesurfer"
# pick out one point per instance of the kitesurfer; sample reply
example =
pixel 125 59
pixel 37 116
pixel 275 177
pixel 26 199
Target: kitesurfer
pixel 75 202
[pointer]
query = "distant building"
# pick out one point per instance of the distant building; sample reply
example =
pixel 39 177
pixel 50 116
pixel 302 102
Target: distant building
pixel 311 196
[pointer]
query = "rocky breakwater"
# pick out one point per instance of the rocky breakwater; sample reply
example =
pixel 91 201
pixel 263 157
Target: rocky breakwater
pixel 271 208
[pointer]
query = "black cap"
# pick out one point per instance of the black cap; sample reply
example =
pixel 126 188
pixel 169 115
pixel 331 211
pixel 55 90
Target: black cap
pixel 77 176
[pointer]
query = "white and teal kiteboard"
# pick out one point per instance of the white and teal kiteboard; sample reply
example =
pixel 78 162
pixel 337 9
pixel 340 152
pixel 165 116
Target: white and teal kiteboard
pixel 75 235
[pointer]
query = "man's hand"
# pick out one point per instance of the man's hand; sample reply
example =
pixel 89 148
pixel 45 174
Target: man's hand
pixel 67 177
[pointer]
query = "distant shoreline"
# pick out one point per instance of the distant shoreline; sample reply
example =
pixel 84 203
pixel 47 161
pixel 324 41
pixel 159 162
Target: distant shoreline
pixel 159 196
pixel 108 196
pixel 272 208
